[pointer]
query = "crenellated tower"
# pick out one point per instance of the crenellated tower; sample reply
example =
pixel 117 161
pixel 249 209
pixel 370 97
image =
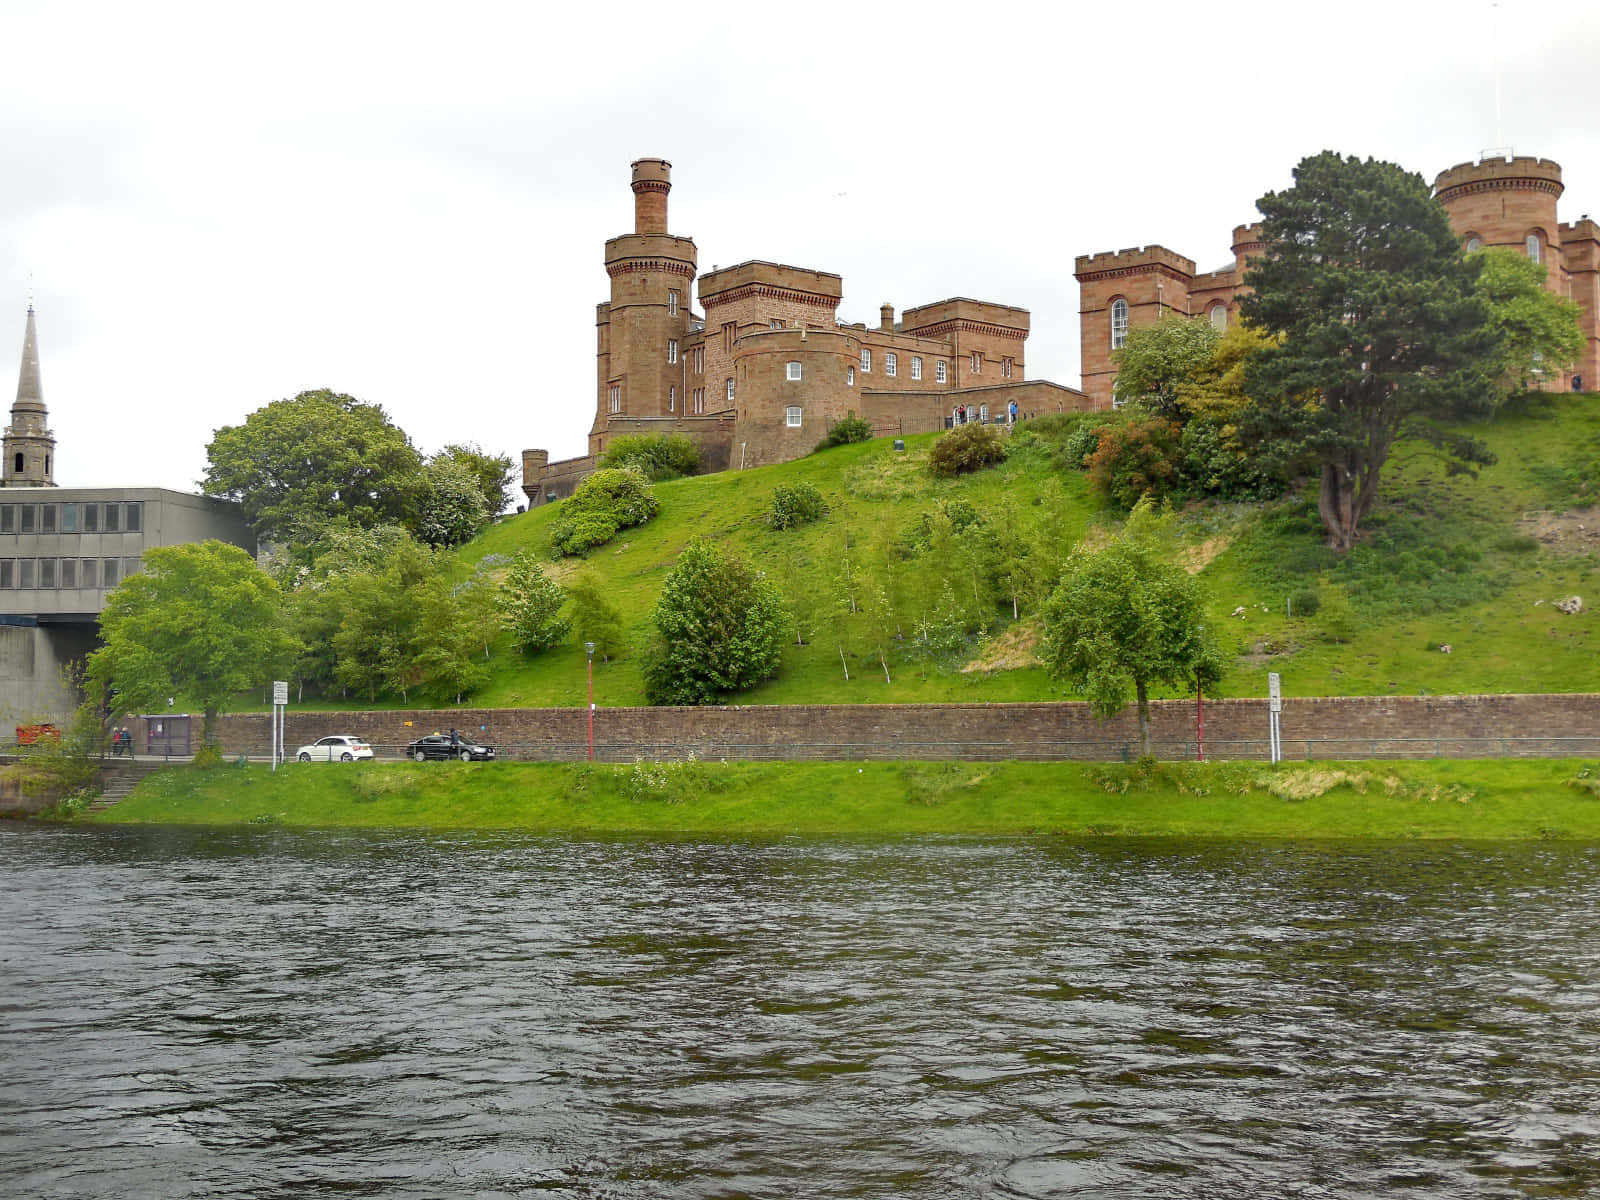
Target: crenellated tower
pixel 1118 291
pixel 29 446
pixel 642 329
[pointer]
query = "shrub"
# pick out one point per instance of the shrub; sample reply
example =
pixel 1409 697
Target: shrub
pixel 1081 441
pixel 1212 467
pixel 594 618
pixel 657 456
pixel 1135 460
pixel 606 502
pixel 847 430
pixel 1305 603
pixel 795 504
pixel 966 448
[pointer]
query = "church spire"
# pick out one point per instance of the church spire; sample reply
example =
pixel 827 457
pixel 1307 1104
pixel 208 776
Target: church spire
pixel 29 448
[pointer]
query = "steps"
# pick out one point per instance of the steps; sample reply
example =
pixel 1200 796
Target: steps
pixel 117 780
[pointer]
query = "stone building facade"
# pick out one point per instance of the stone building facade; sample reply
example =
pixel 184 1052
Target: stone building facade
pixel 1504 202
pixel 762 374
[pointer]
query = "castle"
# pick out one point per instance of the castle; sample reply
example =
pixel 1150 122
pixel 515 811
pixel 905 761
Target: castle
pixel 1507 202
pixel 767 370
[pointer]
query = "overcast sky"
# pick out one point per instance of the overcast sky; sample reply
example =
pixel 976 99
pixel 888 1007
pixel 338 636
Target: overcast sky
pixel 216 206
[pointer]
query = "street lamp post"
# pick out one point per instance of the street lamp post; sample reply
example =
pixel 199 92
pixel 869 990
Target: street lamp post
pixel 588 648
pixel 1199 710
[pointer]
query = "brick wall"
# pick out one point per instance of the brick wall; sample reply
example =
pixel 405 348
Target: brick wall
pixel 1338 727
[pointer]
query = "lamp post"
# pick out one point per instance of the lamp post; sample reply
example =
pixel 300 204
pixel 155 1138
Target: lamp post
pixel 588 648
pixel 1200 710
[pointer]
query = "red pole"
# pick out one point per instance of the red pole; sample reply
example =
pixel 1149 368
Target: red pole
pixel 1199 722
pixel 591 706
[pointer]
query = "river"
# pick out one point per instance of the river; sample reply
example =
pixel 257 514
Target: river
pixel 262 1012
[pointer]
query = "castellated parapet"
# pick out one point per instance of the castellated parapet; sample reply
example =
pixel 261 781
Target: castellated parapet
pixel 1132 259
pixel 1504 174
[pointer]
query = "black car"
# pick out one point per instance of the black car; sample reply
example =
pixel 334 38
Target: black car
pixel 449 745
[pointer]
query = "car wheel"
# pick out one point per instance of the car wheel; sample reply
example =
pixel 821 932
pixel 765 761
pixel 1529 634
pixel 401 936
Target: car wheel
pixel 347 757
pixel 419 756
pixel 304 757
pixel 466 756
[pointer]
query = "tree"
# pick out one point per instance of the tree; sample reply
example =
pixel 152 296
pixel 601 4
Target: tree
pixel 530 606
pixel 720 629
pixel 450 503
pixel 657 456
pixel 200 620
pixel 1126 618
pixel 297 463
pixel 495 473
pixel 1157 361
pixel 594 618
pixel 1540 334
pixel 1382 331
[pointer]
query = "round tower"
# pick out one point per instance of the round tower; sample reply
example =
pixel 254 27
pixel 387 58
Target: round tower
pixel 642 331
pixel 29 447
pixel 1506 202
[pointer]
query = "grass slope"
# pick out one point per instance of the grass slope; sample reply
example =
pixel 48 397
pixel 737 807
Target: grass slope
pixel 1474 564
pixel 1490 800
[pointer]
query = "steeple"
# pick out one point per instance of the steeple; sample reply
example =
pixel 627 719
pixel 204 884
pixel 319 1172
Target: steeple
pixel 29 447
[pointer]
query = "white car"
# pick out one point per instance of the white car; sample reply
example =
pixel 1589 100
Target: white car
pixel 338 748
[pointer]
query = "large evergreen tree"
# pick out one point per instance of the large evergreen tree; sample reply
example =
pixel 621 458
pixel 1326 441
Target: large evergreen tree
pixel 1381 332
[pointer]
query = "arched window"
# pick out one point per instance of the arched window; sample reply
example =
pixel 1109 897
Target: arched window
pixel 1474 244
pixel 1119 323
pixel 1533 248
pixel 1219 317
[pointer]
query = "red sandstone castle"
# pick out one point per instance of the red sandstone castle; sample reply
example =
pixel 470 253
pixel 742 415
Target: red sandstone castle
pixel 1509 202
pixel 763 375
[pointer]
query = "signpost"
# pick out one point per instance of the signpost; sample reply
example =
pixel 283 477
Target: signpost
pixel 1274 711
pixel 280 701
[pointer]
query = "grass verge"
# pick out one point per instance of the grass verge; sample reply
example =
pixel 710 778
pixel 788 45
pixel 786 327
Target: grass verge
pixel 1436 799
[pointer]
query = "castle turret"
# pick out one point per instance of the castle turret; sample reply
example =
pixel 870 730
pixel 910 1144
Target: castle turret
pixel 29 446
pixel 1117 291
pixel 1507 202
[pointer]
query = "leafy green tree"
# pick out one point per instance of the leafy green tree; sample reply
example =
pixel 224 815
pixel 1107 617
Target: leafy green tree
pixel 657 456
pixel 450 503
pixel 1540 334
pixel 1126 618
pixel 1158 361
pixel 594 617
pixel 447 656
pixel 720 629
pixel 530 606
pixel 382 633
pixel 200 620
pixel 1382 333
pixel 1136 459
pixel 296 463
pixel 495 473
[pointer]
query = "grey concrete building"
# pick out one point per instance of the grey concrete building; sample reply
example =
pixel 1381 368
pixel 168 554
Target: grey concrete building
pixel 62 550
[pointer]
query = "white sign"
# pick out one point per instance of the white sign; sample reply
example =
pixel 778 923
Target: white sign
pixel 1274 696
pixel 280 691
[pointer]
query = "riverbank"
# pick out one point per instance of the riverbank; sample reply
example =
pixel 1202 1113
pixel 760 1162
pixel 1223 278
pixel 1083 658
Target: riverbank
pixel 1517 799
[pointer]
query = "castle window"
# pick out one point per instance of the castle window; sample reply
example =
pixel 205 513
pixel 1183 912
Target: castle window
pixel 774 324
pixel 672 397
pixel 977 362
pixel 792 416
pixel 1119 323
pixel 940 372
pixel 916 368
pixel 730 332
pixel 8 573
pixel 1533 247
pixel 1005 368
pixel 850 376
pixel 891 365
pixel 866 361
pixel 614 398
pixel 672 350
pixel 699 360
pixel 699 400
pixel 1474 244
pixel 672 304
pixel 1219 317
pixel 1116 394
pixel 793 371
pixel 730 388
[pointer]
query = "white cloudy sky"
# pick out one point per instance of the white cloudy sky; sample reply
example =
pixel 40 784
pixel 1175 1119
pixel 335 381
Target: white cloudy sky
pixel 216 205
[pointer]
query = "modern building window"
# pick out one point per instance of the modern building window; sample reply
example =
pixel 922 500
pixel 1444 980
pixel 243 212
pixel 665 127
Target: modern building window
pixel 866 361
pixel 891 365
pixel 614 398
pixel 850 376
pixel 112 513
pixel 916 367
pixel 793 371
pixel 25 518
pixel 88 572
pixel 730 388
pixel 672 350
pixel 672 304
pixel 47 518
pixel 69 517
pixel 1533 247
pixel 792 416
pixel 8 573
pixel 91 518
pixel 977 362
pixel 8 518
pixel 1119 323
pixel 108 572
pixel 133 517
pixel 1474 244
pixel 68 573
pixel 1219 317
pixel 132 566
pixel 24 572
pixel 672 397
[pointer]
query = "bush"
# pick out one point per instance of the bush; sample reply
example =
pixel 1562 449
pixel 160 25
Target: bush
pixel 795 504
pixel 1135 460
pixel 850 429
pixel 604 504
pixel 966 448
pixel 1082 441
pixel 1305 603
pixel 657 456
pixel 1214 468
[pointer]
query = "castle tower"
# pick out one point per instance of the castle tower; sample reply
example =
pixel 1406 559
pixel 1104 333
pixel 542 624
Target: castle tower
pixel 1510 203
pixel 1117 292
pixel 29 447
pixel 641 331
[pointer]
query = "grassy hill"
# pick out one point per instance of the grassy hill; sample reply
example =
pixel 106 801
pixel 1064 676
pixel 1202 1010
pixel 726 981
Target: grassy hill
pixel 1474 564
